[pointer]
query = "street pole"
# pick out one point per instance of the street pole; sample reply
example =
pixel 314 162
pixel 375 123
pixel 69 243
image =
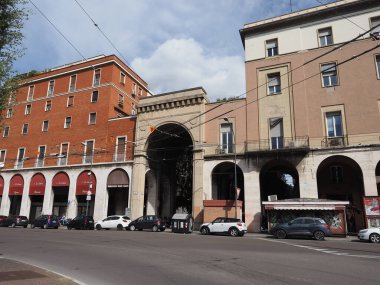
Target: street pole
pixel 235 172
pixel 88 198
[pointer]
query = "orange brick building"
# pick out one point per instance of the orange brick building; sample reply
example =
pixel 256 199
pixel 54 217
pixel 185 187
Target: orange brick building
pixel 69 131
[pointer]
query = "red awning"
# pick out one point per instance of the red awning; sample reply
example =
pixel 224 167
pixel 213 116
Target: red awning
pixel 61 180
pixel 1 185
pixel 83 183
pixel 16 185
pixel 37 185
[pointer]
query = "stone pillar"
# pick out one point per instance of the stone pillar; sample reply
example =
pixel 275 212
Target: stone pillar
pixel 5 203
pixel 252 199
pixel 72 200
pixel 25 202
pixel 138 186
pixel 47 207
pixel 307 181
pixel 101 199
pixel 198 187
pixel 152 193
pixel 369 179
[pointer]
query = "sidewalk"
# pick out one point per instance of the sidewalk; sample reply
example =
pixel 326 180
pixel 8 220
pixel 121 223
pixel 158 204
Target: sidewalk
pixel 16 273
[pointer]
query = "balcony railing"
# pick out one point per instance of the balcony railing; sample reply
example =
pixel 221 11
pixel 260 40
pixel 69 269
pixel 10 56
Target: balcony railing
pixel 334 142
pixel 119 157
pixel 39 162
pixel 19 164
pixel 276 143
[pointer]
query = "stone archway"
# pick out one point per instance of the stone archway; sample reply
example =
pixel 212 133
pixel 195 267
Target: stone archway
pixel 118 192
pixel 341 178
pixel 161 121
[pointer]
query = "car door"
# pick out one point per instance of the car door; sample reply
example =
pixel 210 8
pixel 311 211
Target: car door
pixel 215 225
pixel 114 221
pixel 139 223
pixel 309 227
pixel 106 223
pixel 295 227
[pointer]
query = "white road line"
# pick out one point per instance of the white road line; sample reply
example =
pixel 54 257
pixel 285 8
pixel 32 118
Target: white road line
pixel 324 250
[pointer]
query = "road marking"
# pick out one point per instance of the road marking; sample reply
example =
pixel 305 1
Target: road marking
pixel 324 250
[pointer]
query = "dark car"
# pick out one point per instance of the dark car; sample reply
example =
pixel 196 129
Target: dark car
pixel 81 222
pixel 2 218
pixel 46 221
pixel 16 221
pixel 149 222
pixel 303 226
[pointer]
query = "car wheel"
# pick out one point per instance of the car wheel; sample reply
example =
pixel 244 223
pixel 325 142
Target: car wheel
pixel 374 238
pixel 45 226
pixel 132 228
pixel 205 231
pixel 234 232
pixel 69 228
pixel 319 235
pixel 281 234
pixel 98 227
pixel 119 227
pixel 241 235
pixel 25 227
pixel 56 228
pixel 32 226
pixel 155 228
pixel 13 225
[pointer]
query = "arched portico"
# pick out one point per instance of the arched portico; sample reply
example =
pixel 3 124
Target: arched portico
pixel 118 192
pixel 341 178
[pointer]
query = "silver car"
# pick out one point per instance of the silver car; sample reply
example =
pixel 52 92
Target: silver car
pixel 370 234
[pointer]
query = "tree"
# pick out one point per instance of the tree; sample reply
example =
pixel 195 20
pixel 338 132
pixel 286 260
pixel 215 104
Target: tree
pixel 12 16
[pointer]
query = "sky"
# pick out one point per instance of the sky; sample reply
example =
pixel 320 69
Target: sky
pixel 171 44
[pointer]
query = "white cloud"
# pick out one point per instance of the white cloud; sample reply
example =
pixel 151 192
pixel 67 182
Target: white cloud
pixel 183 63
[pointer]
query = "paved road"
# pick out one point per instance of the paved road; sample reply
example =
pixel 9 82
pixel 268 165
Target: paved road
pixel 111 257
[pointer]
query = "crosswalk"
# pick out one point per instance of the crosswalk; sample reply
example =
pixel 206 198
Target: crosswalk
pixel 324 250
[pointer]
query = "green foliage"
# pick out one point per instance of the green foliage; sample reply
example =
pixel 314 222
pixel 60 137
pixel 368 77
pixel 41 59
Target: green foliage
pixel 12 16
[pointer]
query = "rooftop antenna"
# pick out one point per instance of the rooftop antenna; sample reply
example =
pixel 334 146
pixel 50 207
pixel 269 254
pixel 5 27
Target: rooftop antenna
pixel 291 8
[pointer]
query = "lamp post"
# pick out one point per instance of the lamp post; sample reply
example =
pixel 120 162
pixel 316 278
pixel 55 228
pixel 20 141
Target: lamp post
pixel 235 168
pixel 89 192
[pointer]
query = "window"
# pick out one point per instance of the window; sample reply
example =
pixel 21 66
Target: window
pixel 96 81
pixel 274 83
pixel 276 133
pixel 329 74
pixel 25 128
pixel 133 110
pixel 140 91
pixel 28 108
pixel 41 156
pixel 50 91
pixel 3 152
pixel 6 132
pixel 92 119
pixel 94 96
pixel 121 100
pixel 325 37
pixel 88 151
pixel 375 22
pixel 336 174
pixel 272 47
pixel 120 149
pixel 122 78
pixel 45 126
pixel 63 154
pixel 20 158
pixel 30 93
pixel 73 82
pixel 70 101
pixel 134 88
pixel 67 122
pixel 378 66
pixel 48 106
pixel 9 113
pixel 334 124
pixel 226 137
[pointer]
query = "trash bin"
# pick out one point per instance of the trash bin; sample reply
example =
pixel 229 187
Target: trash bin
pixel 182 223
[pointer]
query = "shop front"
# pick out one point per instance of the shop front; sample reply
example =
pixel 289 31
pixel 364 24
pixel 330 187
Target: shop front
pixel 36 195
pixel 283 211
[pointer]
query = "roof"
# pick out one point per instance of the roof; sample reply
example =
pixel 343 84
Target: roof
pixel 306 204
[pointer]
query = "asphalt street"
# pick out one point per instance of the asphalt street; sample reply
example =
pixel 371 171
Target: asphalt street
pixel 112 257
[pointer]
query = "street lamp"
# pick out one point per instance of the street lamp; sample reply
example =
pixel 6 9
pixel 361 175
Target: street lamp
pixel 235 170
pixel 88 198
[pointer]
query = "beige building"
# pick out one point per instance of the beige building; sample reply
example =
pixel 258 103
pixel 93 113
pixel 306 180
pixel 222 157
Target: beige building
pixel 309 126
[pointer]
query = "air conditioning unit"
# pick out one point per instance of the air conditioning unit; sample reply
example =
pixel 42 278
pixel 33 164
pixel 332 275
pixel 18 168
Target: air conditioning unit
pixel 272 198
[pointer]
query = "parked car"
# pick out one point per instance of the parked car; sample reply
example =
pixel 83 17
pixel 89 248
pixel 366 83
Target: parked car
pixel 370 234
pixel 149 222
pixel 224 225
pixel 2 218
pixel 64 221
pixel 81 222
pixel 45 221
pixel 302 226
pixel 113 222
pixel 16 221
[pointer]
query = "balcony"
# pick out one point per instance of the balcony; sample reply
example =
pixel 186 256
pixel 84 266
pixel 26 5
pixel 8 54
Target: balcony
pixel 278 143
pixel 328 142
pixel 39 162
pixel 19 164
pixel 119 157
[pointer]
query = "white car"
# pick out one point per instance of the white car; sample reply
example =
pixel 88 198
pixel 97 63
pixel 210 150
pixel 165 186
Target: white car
pixel 370 234
pixel 222 225
pixel 113 222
